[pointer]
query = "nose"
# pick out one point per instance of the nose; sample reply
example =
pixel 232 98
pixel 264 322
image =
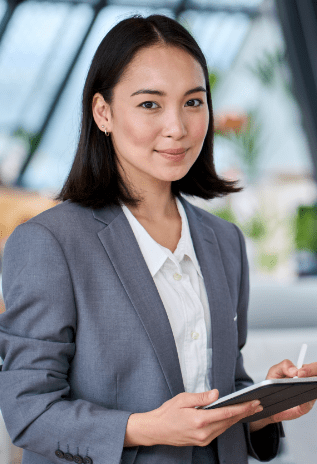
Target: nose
pixel 174 125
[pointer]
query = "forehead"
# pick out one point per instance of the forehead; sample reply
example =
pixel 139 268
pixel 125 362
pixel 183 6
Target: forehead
pixel 163 65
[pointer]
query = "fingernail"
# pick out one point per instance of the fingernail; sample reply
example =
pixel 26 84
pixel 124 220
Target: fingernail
pixel 259 409
pixel 255 403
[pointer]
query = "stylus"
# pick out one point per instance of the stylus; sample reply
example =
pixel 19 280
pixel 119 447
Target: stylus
pixel 301 357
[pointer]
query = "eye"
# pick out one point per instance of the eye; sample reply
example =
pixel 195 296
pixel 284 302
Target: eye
pixel 192 102
pixel 148 105
pixel 195 102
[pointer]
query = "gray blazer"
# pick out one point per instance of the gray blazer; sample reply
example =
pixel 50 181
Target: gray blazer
pixel 86 340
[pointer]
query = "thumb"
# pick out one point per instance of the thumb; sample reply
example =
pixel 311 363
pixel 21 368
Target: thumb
pixel 201 399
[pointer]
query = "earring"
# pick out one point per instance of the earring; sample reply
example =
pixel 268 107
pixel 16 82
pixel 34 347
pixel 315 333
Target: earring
pixel 106 133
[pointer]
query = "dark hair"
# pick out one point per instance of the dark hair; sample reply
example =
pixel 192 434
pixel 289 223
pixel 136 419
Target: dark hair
pixel 94 179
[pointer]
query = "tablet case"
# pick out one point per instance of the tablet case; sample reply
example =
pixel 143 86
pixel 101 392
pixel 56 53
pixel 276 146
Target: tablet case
pixel 275 396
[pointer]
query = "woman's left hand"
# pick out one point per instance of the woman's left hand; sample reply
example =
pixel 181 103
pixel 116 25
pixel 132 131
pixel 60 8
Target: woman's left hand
pixel 286 369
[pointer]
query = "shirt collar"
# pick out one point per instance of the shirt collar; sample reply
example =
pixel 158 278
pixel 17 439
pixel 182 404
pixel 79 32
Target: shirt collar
pixel 155 254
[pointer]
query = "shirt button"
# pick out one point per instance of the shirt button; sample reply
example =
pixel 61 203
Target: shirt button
pixel 195 335
pixel 177 276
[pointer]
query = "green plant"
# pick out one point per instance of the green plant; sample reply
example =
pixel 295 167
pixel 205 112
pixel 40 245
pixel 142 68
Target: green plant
pixel 306 228
pixel 225 213
pixel 213 79
pixel 247 144
pixel 268 66
pixel 268 261
pixel 255 228
pixel 31 139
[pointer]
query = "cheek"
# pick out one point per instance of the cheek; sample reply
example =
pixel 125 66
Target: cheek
pixel 199 129
pixel 137 131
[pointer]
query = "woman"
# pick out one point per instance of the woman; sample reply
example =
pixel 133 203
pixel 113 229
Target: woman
pixel 125 304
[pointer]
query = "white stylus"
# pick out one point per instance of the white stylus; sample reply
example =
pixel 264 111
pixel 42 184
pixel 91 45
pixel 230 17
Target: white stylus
pixel 301 357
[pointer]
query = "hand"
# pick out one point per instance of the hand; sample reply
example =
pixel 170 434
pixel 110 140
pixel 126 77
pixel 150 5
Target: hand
pixel 286 369
pixel 178 423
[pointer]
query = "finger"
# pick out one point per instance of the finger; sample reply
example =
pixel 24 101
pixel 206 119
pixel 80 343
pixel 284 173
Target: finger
pixel 284 369
pixel 288 414
pixel 248 413
pixel 308 370
pixel 235 411
pixel 305 408
pixel 198 400
pixel 294 413
pixel 220 426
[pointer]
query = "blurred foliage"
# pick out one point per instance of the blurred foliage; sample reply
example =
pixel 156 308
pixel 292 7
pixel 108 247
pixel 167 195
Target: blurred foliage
pixel 247 141
pixel 247 144
pixel 268 261
pixel 31 139
pixel 213 79
pixel 267 68
pixel 258 229
pixel 255 228
pixel 272 71
pixel 226 213
pixel 306 228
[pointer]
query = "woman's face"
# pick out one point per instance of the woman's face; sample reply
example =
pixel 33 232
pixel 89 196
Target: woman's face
pixel 159 104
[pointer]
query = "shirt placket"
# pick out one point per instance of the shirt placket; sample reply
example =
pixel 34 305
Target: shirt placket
pixel 173 274
pixel 198 339
pixel 195 337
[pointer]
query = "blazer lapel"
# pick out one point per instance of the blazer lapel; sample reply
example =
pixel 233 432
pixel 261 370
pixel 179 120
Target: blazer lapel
pixel 124 252
pixel 224 332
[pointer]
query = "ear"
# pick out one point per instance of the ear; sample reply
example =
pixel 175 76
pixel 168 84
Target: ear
pixel 101 113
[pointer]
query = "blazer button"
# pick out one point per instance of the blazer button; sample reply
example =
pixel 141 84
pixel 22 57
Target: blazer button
pixel 68 457
pixel 87 460
pixel 78 459
pixel 59 454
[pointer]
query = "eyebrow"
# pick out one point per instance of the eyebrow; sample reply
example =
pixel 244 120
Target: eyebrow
pixel 163 94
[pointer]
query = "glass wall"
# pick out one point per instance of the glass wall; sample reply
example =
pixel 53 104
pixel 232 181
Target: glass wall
pixel 34 61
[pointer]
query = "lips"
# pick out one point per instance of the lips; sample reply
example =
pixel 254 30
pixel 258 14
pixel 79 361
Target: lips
pixel 173 151
pixel 174 157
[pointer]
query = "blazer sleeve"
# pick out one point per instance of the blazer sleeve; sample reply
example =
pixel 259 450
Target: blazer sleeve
pixel 37 345
pixel 263 445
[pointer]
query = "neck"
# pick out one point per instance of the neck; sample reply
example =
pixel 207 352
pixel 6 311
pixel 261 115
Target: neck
pixel 156 208
pixel 158 202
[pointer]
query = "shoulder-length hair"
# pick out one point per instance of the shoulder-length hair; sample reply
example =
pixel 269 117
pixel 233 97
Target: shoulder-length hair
pixel 94 179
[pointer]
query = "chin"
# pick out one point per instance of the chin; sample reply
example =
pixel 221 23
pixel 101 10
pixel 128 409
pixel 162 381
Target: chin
pixel 176 177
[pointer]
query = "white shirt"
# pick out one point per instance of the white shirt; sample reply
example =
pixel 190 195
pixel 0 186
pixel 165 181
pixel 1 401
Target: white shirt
pixel 180 283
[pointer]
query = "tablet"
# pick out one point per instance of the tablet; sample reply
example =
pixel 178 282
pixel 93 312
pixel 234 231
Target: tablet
pixel 276 395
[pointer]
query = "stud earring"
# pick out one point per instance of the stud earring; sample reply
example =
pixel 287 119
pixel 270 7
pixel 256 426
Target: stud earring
pixel 106 133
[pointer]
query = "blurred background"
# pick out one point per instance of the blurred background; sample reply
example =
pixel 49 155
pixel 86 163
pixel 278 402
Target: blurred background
pixel 262 64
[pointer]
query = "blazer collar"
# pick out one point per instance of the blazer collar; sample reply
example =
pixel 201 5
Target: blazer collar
pixel 155 254
pixel 123 250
